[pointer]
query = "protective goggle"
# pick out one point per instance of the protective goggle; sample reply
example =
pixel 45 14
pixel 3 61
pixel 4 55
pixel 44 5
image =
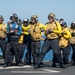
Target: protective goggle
pixel 33 19
pixel 50 17
pixel 25 21
pixel 64 24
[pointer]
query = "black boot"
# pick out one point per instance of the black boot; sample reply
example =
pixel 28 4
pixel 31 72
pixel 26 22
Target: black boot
pixel 53 65
pixel 36 66
pixel 20 64
pixel 73 64
pixel 64 66
pixel 10 64
pixel 42 63
pixel 5 65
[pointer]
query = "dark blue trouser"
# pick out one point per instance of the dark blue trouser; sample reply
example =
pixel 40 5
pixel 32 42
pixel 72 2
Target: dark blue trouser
pixel 35 50
pixel 73 55
pixel 54 45
pixel 12 47
pixel 27 43
pixel 20 52
pixel 65 55
pixel 66 52
pixel 3 46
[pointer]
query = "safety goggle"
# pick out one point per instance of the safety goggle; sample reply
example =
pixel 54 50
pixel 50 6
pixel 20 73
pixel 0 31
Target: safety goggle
pixel 25 22
pixel 33 19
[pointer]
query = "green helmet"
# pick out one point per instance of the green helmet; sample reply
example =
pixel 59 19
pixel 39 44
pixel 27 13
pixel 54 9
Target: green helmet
pixel 1 17
pixel 34 17
pixel 52 15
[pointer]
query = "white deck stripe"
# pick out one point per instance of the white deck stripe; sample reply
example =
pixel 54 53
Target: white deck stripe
pixel 47 71
pixel 12 67
pixel 51 70
pixel 27 66
pixel 29 72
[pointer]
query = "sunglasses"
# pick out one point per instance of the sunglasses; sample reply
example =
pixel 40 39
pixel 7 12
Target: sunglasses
pixel 25 22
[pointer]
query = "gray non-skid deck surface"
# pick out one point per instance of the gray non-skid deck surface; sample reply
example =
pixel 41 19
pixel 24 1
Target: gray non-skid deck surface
pixel 29 70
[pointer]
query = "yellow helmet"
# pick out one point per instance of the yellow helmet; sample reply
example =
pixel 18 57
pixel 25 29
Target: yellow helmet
pixel 52 15
pixel 34 17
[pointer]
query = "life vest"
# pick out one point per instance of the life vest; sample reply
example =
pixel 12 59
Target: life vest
pixel 35 32
pixel 25 30
pixel 15 29
pixel 51 27
pixel 2 31
pixel 20 39
pixel 63 42
pixel 72 39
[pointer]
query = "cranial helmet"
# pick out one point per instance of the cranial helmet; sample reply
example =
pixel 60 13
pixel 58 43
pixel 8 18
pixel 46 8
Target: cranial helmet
pixel 63 24
pixel 1 17
pixel 25 20
pixel 73 25
pixel 51 15
pixel 14 15
pixel 34 17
